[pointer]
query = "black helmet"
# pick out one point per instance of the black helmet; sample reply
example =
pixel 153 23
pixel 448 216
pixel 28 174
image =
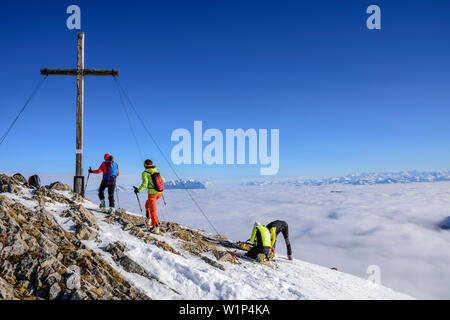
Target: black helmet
pixel 148 163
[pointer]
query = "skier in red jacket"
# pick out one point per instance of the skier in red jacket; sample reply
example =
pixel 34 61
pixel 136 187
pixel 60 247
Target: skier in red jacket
pixel 109 169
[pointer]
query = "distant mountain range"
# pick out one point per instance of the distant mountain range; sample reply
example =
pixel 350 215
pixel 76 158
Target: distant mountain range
pixel 363 179
pixel 171 184
pixel 181 184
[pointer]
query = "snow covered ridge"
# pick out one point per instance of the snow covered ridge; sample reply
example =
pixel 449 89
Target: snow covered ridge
pixel 363 179
pixel 56 245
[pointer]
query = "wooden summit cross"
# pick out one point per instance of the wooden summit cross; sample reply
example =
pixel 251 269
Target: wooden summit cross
pixel 80 72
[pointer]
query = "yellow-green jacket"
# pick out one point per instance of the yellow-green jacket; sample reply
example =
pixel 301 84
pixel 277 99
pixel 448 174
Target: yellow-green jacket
pixel 273 234
pixel 147 181
pixel 266 239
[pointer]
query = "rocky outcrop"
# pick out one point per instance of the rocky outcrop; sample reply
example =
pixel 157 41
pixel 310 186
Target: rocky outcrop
pixel 10 184
pixel 41 260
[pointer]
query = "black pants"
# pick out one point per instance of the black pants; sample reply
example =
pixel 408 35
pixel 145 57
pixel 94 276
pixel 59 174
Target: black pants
pixel 281 226
pixel 253 252
pixel 285 233
pixel 111 185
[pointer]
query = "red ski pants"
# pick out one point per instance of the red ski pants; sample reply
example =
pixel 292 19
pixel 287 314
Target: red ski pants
pixel 150 207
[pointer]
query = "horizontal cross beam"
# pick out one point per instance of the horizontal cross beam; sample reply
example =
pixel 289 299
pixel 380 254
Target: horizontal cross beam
pixel 84 72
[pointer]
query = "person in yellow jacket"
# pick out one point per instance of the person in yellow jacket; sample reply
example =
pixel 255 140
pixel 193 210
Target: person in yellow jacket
pixel 153 192
pixel 262 241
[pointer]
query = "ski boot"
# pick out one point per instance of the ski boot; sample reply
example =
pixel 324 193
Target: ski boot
pixel 154 229
pixel 102 204
pixel 261 258
pixel 111 210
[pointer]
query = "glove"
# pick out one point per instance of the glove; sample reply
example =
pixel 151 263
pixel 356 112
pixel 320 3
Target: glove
pixel 136 190
pixel 90 170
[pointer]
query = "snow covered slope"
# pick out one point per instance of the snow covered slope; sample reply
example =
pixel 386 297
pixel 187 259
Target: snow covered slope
pixel 177 265
pixel 196 279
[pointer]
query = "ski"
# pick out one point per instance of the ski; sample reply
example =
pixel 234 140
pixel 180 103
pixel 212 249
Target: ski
pixel 229 244
pixel 242 256
pixel 223 243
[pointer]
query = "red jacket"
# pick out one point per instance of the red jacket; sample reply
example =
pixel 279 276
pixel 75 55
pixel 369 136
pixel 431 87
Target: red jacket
pixel 103 169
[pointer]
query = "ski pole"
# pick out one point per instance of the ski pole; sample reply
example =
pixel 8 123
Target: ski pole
pixel 140 208
pixel 87 180
pixel 165 206
pixel 117 195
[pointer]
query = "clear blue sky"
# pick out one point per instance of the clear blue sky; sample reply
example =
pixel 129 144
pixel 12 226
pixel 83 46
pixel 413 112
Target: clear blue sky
pixel 346 99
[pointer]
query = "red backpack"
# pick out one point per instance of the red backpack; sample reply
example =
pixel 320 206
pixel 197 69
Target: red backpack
pixel 158 183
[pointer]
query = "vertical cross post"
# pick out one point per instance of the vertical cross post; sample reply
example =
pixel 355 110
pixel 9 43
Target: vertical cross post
pixel 78 182
pixel 80 72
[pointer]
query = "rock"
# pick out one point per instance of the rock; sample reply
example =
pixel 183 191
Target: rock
pixel 127 226
pixel 133 219
pixel 5 186
pixel 41 275
pixel 131 266
pixel 116 249
pixel 86 216
pixel 73 269
pixel 26 267
pixel 53 278
pixel 78 295
pixel 65 295
pixel 183 235
pixel 20 178
pixel 13 251
pixel 9 184
pixel 6 290
pixel 59 186
pixel 76 243
pixel 44 192
pixel 223 256
pixel 73 282
pixel 49 246
pixel 213 263
pixel 22 288
pixel 31 242
pixel 73 278
pixel 445 224
pixel 7 271
pixel 54 291
pixel 78 254
pixel 77 198
pixel 84 233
